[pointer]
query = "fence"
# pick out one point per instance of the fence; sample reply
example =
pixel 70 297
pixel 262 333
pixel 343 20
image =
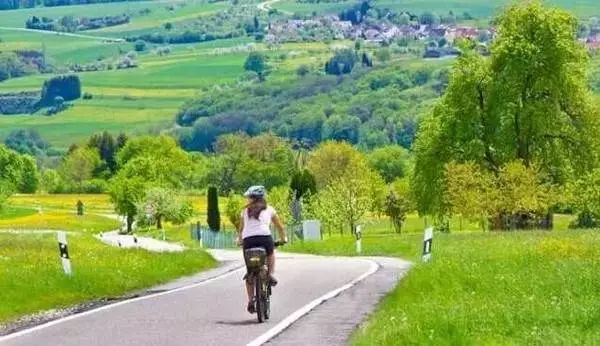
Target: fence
pixel 213 240
pixel 227 240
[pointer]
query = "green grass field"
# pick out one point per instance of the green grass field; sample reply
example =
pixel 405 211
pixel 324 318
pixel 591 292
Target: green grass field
pixel 31 277
pixel 513 288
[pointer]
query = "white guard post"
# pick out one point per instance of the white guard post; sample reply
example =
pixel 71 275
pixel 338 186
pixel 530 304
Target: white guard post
pixel 358 239
pixel 64 252
pixel 427 242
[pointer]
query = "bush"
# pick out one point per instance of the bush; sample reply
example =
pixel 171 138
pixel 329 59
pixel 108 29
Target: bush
pixel 139 46
pixel 87 96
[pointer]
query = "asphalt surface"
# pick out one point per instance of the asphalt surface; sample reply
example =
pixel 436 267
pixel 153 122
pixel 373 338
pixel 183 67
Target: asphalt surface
pixel 213 312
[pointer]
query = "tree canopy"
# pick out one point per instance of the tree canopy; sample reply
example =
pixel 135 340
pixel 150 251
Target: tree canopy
pixel 528 102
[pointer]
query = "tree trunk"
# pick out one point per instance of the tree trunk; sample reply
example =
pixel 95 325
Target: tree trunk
pixel 159 222
pixel 129 223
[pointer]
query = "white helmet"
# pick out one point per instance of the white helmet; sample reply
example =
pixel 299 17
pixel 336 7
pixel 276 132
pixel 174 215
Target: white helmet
pixel 255 191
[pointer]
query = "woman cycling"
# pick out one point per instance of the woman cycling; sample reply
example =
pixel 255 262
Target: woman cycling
pixel 255 231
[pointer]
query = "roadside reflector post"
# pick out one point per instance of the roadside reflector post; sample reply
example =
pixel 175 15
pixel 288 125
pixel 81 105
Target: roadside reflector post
pixel 358 234
pixel 64 252
pixel 427 243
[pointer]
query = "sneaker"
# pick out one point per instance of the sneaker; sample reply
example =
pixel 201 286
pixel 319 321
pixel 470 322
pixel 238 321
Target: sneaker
pixel 251 307
pixel 272 281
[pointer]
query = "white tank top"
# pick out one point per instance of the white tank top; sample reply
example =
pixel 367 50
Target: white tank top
pixel 254 227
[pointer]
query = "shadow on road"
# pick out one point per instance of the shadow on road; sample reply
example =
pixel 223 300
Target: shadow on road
pixel 237 323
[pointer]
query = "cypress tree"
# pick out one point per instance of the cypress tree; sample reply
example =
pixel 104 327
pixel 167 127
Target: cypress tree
pixel 213 217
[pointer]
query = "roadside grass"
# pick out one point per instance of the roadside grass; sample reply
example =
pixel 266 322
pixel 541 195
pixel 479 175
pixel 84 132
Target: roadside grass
pixel 58 220
pixel 31 278
pixel 494 288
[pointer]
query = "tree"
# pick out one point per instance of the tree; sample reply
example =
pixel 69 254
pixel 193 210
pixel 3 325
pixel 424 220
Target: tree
pixel 347 199
pixel 51 182
pixel 106 146
pixel 586 200
pixel 139 45
pixel 168 26
pixel 303 183
pixel 162 204
pixel 6 190
pixel 342 62
pixel 27 141
pixel 30 178
pixel 255 62
pixel 68 87
pixel 469 191
pixel 279 198
pixel 528 102
pixel 213 216
pixel 233 209
pixel 242 161
pixel 341 128
pixel 398 203
pixel 158 159
pixel 79 166
pixel 523 202
pixel 428 18
pixel 126 193
pixel 334 159
pixel 390 161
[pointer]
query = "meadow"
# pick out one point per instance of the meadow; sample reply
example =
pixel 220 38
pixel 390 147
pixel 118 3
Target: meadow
pixel 497 288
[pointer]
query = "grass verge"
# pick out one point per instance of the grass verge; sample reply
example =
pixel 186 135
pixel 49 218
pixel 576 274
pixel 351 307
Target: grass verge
pixel 31 277
pixel 486 289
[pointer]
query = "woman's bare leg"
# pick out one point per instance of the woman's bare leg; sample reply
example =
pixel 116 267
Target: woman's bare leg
pixel 250 290
pixel 271 263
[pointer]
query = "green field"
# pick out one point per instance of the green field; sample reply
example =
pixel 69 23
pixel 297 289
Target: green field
pixel 508 288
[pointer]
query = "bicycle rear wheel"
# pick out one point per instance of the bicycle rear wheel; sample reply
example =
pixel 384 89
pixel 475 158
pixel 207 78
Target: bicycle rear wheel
pixel 258 295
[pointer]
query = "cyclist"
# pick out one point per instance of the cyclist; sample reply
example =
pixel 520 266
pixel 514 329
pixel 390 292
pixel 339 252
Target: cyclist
pixel 254 231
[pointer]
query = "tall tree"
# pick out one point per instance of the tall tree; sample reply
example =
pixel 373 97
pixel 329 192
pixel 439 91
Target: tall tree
pixel 528 102
pixel 213 216
pixel 256 63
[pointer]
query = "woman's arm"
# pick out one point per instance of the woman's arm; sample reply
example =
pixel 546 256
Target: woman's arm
pixel 239 231
pixel 277 222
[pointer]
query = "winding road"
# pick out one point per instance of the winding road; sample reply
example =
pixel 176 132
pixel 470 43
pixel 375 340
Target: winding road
pixel 319 301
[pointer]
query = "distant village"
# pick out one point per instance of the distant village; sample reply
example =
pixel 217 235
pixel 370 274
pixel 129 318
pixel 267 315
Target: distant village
pixel 438 39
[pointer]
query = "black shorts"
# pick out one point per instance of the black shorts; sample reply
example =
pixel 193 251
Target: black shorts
pixel 264 241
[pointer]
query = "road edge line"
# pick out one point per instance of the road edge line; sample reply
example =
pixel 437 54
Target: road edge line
pixel 114 305
pixel 296 315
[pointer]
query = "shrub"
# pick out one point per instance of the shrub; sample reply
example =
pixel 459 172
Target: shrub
pixel 139 46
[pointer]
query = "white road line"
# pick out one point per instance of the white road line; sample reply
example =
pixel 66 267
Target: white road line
pixel 110 306
pixel 281 326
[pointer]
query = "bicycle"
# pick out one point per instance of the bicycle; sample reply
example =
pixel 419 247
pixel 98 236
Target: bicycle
pixel 258 274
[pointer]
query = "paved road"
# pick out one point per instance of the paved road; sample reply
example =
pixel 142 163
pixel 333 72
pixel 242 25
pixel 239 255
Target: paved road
pixel 207 313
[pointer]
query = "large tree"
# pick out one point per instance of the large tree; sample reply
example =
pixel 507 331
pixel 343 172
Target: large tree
pixel 528 102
